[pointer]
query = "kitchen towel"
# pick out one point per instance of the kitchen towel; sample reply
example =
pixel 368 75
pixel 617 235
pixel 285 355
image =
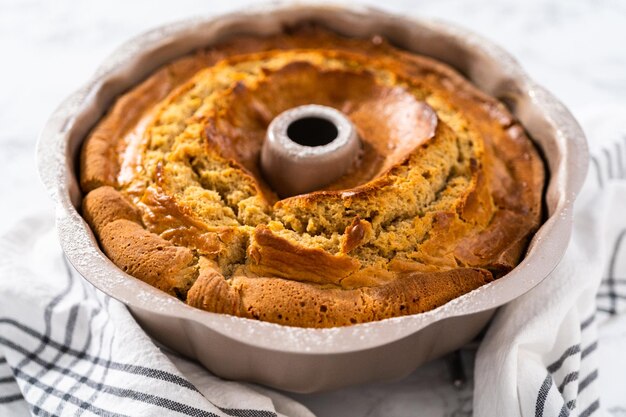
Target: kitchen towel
pixel 67 349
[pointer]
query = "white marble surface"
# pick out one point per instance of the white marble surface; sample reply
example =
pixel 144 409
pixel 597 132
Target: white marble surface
pixel 575 48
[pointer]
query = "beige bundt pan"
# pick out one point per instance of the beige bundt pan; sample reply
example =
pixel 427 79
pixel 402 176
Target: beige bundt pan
pixel 305 359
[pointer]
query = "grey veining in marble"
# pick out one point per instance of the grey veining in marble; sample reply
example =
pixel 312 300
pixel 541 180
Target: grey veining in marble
pixel 575 48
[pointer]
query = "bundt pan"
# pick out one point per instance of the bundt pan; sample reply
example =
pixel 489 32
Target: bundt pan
pixel 307 359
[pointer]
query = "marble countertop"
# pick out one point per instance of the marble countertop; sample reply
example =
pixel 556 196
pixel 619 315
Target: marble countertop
pixel 574 48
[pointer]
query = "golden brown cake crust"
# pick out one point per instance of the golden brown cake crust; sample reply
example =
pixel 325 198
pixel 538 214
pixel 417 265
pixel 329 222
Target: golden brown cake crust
pixel 176 198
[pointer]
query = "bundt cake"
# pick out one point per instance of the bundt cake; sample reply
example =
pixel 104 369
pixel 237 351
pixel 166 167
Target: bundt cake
pixel 433 207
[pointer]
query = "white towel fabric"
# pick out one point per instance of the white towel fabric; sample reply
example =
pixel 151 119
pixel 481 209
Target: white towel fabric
pixel 66 349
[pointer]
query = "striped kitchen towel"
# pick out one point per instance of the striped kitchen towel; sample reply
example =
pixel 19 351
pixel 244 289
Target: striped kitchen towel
pixel 67 349
pixel 543 353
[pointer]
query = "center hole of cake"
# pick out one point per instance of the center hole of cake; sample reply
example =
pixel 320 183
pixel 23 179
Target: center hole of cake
pixel 312 131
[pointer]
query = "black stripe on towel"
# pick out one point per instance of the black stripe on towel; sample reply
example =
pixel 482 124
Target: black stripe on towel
pixel 564 411
pixel 593 407
pixel 542 396
pixel 571 377
pixel 589 349
pixel 10 398
pixel 47 326
pixel 621 281
pixel 621 173
pixel 43 413
pixel 612 293
pixel 572 350
pixel 69 335
pixel 104 374
pixel 596 165
pixel 616 248
pixel 94 313
pixel 586 323
pixel 236 412
pixel 609 162
pixel 587 380
pixel 611 296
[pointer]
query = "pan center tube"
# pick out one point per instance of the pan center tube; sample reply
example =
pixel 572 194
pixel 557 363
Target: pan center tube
pixel 308 147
